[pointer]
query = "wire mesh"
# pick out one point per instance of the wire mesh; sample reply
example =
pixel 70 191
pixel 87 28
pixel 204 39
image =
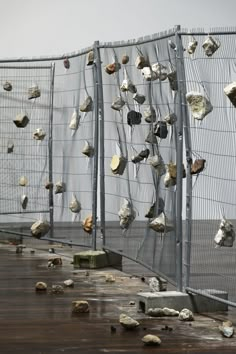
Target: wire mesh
pixel 213 139
pixel 140 184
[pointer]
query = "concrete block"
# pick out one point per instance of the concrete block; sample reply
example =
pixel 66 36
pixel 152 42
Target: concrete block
pixel 177 300
pixel 96 259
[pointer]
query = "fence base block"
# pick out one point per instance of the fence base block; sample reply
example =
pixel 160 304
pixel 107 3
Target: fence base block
pixel 97 259
pixel 177 300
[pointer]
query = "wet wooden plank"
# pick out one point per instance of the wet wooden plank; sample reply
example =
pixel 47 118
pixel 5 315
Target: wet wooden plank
pixel 43 323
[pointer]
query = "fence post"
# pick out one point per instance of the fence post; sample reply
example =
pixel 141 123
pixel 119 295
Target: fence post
pixel 101 140
pixel 179 161
pixel 96 153
pixel 50 153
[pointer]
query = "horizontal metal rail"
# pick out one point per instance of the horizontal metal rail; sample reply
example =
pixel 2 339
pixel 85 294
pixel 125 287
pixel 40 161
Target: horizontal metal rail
pixel 212 297
pixel 160 274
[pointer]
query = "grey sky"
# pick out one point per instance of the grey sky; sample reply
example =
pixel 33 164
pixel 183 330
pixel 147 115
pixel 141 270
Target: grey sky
pixel 33 27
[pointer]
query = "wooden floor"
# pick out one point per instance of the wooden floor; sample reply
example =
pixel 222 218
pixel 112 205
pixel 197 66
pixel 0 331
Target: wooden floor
pixel 32 323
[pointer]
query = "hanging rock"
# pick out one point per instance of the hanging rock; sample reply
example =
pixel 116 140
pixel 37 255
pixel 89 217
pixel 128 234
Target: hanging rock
pixel 21 120
pixel 24 201
pixel 39 134
pixel 227 329
pixel 118 164
pixel 40 286
pixel 126 214
pixel 7 86
pixel 87 105
pixel 198 166
pixel 80 306
pixel 170 118
pixel 112 68
pixel 172 77
pixel 88 150
pixel 34 92
pixel 192 47
pixel 57 289
pixel 141 156
pixel 75 119
pixel 151 340
pixel 134 118
pixel 171 175
pixel 160 129
pixel 140 62
pixel 151 138
pixel 125 59
pixel 210 46
pixel 172 45
pixel 69 283
pixel 230 91
pixel 149 115
pixel 75 205
pixel 161 224
pixel 225 236
pixel 148 74
pixel 157 163
pixel 128 322
pixel 160 70
pixel 139 98
pixel 23 181
pixel 40 228
pixel 49 185
pixel 90 57
pixel 200 106
pixel 162 312
pixel 127 85
pixel 88 224
pixel 60 187
pixel 66 63
pixel 10 147
pixel 186 315
pixel 118 104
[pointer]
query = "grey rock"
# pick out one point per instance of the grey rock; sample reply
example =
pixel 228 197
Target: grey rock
pixel 128 322
pixel 80 306
pixel 186 315
pixel 69 283
pixel 227 329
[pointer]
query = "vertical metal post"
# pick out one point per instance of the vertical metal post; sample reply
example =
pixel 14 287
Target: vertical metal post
pixel 96 154
pixel 101 139
pixel 50 151
pixel 179 158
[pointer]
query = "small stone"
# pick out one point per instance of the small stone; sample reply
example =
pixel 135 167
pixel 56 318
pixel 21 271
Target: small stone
pixel 57 289
pixel 80 306
pixel 151 339
pixel 110 278
pixel 227 329
pixel 19 248
pixel 132 303
pixel 113 329
pixel 69 283
pixel 86 273
pixel 186 315
pixel 40 286
pixel 56 261
pixel 128 322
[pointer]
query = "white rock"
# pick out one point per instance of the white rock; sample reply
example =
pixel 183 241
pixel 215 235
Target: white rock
pixel 186 315
pixel 40 228
pixel 40 286
pixel 128 322
pixel 151 339
pixel 227 329
pixel 161 224
pixel 68 283
pixel 126 214
pixel 200 106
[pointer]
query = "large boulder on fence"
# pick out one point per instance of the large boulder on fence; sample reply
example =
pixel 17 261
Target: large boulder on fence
pixel 40 228
pixel 200 106
pixel 230 91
